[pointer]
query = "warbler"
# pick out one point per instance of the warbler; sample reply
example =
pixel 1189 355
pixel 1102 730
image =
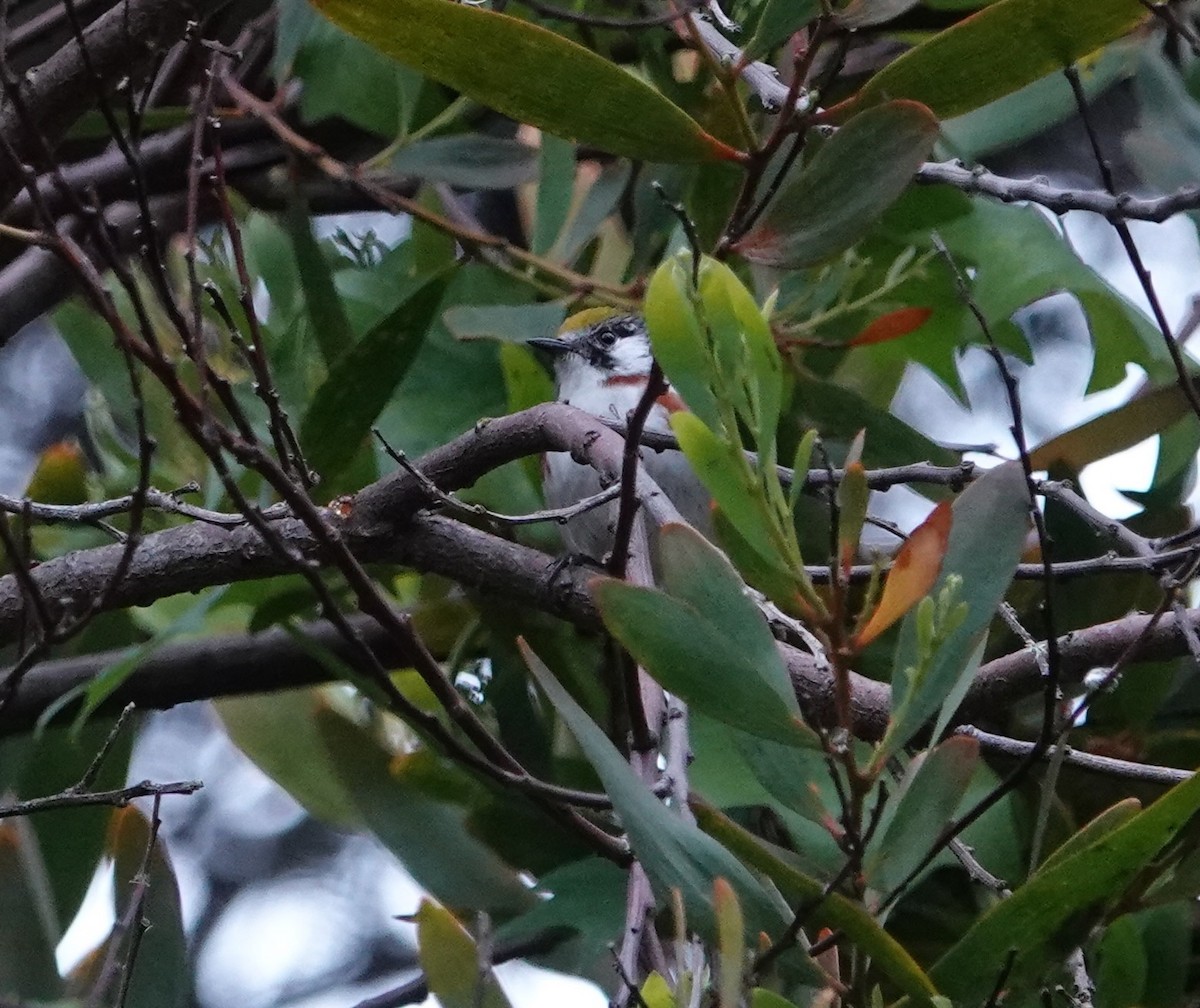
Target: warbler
pixel 602 363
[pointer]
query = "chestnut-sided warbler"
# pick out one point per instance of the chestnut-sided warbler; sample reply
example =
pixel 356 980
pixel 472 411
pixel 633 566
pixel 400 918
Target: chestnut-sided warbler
pixel 602 365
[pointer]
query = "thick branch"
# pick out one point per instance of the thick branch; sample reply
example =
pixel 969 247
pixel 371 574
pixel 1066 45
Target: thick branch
pixel 120 44
pixel 385 523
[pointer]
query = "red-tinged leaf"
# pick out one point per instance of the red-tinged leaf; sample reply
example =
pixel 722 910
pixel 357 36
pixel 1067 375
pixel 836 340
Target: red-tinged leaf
pixel 892 326
pixel 530 74
pixel 837 197
pixel 992 53
pixel 913 573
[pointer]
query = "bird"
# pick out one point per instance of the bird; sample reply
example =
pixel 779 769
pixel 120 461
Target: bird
pixel 602 361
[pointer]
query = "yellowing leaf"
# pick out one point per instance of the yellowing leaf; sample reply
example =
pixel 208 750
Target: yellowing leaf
pixel 913 573
pixel 451 962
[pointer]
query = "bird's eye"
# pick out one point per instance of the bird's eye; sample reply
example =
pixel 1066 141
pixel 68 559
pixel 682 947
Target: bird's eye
pixel 607 338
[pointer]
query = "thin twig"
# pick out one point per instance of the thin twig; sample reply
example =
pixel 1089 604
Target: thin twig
pixel 1125 769
pixel 119 797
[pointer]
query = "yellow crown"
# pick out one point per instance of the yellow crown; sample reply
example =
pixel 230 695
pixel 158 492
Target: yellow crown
pixel 587 318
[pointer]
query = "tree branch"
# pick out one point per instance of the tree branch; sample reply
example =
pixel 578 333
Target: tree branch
pixel 121 45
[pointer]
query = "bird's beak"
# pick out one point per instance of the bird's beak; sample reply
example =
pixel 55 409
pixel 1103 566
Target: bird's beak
pixel 551 345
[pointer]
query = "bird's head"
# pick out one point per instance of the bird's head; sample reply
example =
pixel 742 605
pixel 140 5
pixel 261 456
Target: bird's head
pixel 598 347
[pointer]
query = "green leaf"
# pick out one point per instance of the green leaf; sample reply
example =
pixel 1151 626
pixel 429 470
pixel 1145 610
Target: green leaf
pixel 1130 423
pixel 690 656
pixel 696 572
pixel 380 96
pixel 998 50
pixel 991 520
pixel 778 20
pixel 1103 824
pixel 831 910
pixel 530 74
pixel 931 792
pixel 507 323
pixel 744 346
pixel 1054 909
pixel 470 160
pixel 674 853
pixel 363 379
pixel 279 733
pixel 716 466
pixel 760 997
pixel 834 200
pixel 586 897
pixel 555 192
pixel 326 314
pixel 731 944
pixel 428 835
pixel 450 960
pixel 1120 971
pixel 678 339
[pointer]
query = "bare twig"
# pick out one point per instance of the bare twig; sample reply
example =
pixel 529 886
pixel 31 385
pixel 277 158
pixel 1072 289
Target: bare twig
pixel 118 798
pixel 1124 769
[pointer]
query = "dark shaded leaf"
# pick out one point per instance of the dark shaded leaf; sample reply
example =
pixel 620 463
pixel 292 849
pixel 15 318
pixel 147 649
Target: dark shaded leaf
pixel 830 910
pixel 833 201
pixel 427 834
pixel 1054 909
pixel 363 379
pixel 994 52
pixel 530 74
pixel 470 160
pixel 675 854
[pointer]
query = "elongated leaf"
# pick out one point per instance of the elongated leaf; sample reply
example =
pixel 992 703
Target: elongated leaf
pixel 931 793
pixel 913 573
pixel 1054 909
pixel 832 202
pixel 326 314
pixel 698 573
pixel 450 960
pixel 679 341
pixel 1130 423
pixel 731 943
pixel 279 733
pixel 506 322
pixel 891 326
pixel 778 20
pixel 1100 826
pixel 428 835
pixel 530 74
pixel 362 380
pixel 1006 46
pixel 689 656
pixel 830 910
pixel 991 520
pixel 674 853
pixel 471 160
pixel 715 465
